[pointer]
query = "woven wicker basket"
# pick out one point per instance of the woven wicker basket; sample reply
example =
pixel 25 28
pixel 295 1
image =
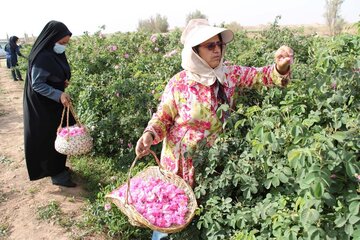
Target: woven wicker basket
pixel 135 218
pixel 72 145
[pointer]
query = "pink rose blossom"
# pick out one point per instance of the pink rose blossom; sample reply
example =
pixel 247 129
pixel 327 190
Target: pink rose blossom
pixel 71 131
pixel 357 176
pixel 107 206
pixel 153 38
pixel 170 54
pixel 101 35
pixel 333 85
pixel 112 48
pixel 163 204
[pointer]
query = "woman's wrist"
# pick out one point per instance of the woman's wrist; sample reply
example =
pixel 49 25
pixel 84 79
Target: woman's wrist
pixel 281 71
pixel 151 134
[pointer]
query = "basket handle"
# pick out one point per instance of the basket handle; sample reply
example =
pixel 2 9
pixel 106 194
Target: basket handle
pixel 71 109
pixel 129 175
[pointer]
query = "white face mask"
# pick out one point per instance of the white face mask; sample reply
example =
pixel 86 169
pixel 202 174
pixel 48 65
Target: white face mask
pixel 59 49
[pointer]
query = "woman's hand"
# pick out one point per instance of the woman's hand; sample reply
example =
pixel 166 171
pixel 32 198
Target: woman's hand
pixel 143 144
pixel 284 57
pixel 65 99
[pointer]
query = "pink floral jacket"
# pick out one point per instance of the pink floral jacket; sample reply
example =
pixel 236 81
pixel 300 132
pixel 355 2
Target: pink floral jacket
pixel 187 113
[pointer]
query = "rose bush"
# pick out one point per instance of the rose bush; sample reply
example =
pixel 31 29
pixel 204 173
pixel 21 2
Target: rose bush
pixel 287 164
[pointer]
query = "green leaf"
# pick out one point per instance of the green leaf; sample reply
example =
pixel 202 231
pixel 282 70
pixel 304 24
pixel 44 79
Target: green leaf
pixel 354 207
pixel 354 219
pixel 283 178
pixel 310 121
pixel 315 233
pixel 353 197
pixel 251 110
pixel 275 181
pixel 267 183
pixel 259 131
pixel 208 219
pixel 350 169
pixel 318 190
pixel 298 139
pixel 287 171
pixel 332 155
pixel 349 229
pixel 294 155
pixel 309 216
pixel 339 136
pixel 296 131
pixel 239 123
pixel 340 221
pixel 310 177
pixel 227 201
pixel 356 234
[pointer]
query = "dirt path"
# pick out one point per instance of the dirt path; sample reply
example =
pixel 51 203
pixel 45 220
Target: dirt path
pixel 20 199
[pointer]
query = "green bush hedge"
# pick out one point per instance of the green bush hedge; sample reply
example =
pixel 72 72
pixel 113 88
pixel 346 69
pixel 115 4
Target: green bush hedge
pixel 287 164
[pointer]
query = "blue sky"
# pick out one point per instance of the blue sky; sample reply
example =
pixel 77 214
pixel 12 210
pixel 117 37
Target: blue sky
pixel 30 16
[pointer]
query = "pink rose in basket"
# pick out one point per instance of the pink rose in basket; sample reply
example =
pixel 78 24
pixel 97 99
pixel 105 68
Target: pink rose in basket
pixel 163 204
pixel 71 131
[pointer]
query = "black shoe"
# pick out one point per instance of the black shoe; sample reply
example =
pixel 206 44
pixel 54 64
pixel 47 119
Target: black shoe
pixel 67 183
pixel 15 80
pixel 63 179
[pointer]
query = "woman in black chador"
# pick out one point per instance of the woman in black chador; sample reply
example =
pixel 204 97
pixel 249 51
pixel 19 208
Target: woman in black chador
pixel 44 99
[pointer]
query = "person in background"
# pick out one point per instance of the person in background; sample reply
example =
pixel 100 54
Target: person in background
pixel 44 99
pixel 12 52
pixel 187 113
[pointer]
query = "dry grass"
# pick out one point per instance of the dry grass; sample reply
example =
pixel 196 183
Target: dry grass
pixel 319 29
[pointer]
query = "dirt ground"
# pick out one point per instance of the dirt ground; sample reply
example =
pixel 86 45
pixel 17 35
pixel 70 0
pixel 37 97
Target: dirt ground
pixel 20 198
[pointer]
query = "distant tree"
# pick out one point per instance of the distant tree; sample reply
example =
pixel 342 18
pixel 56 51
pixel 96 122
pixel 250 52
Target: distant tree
pixel 158 24
pixel 193 15
pixel 234 26
pixel 334 21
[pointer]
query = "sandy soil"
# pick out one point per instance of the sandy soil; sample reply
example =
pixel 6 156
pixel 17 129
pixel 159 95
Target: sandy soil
pixel 20 198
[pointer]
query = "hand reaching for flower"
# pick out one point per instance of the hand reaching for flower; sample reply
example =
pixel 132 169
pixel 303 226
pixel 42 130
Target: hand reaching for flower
pixel 284 57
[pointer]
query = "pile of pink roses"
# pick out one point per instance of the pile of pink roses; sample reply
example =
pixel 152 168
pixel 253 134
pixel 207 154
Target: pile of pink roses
pixel 71 131
pixel 161 203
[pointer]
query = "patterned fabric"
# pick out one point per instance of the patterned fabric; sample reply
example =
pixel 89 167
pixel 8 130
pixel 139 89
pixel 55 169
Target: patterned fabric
pixel 186 114
pixel 74 145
